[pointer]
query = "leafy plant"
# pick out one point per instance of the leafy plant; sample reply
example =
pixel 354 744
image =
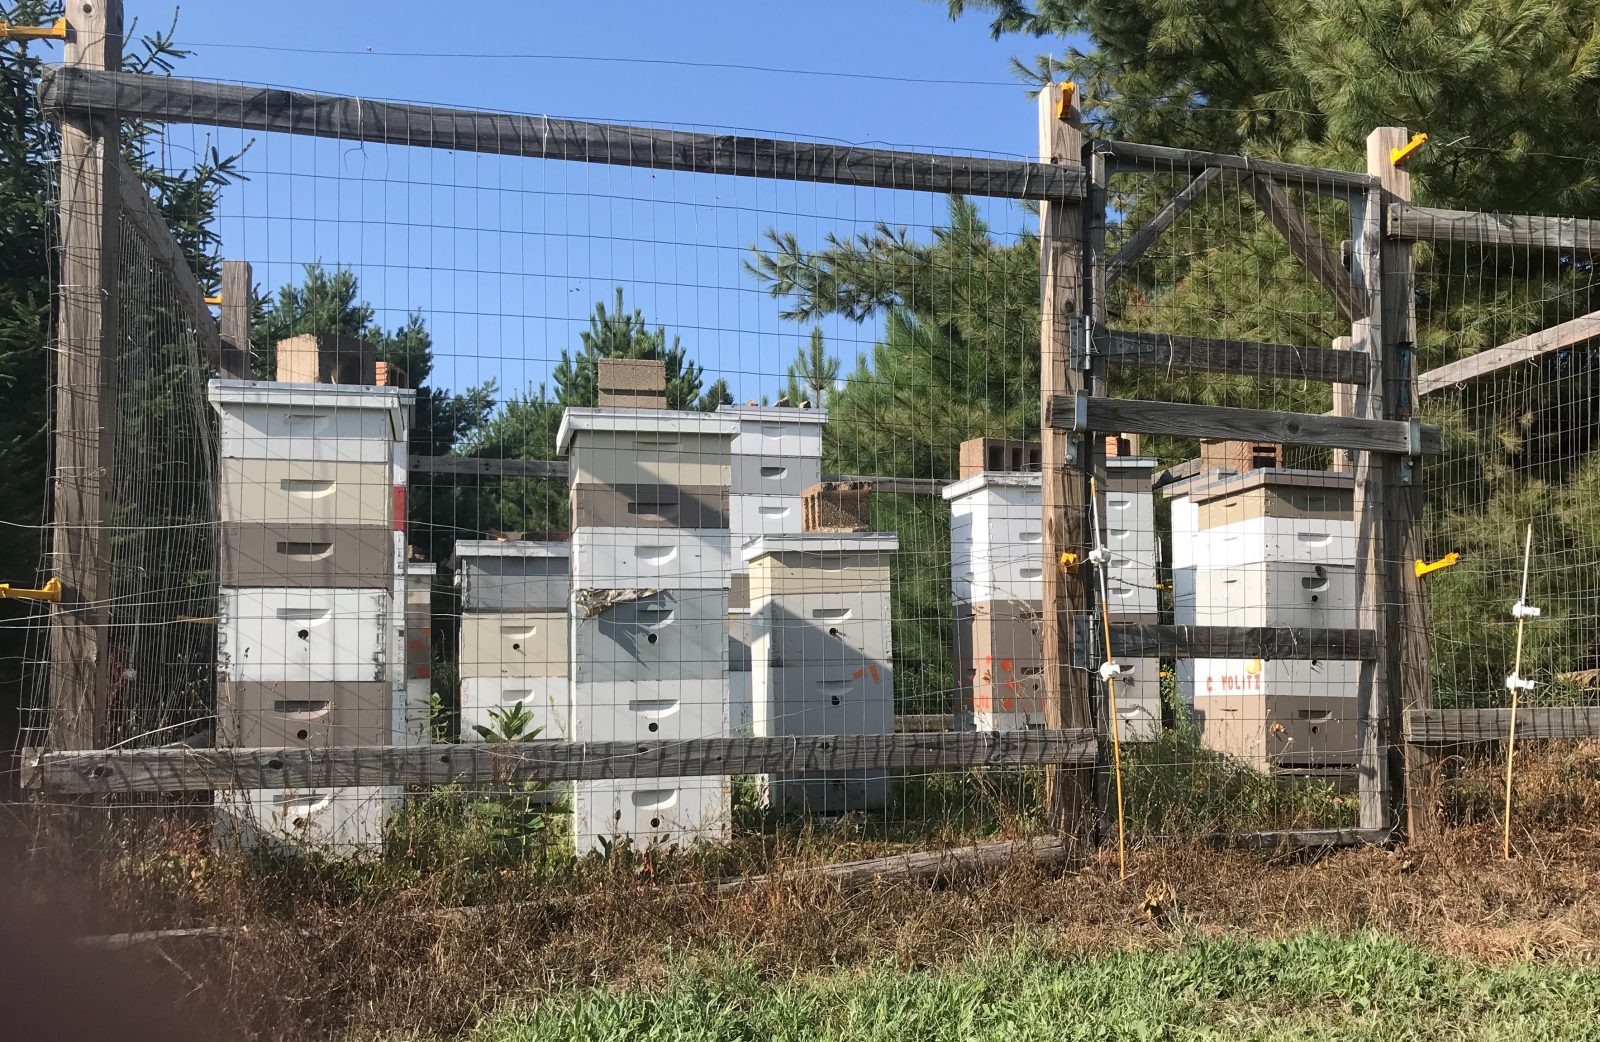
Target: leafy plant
pixel 516 819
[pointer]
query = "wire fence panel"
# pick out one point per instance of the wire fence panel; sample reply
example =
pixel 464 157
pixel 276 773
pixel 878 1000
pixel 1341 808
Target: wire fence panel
pixel 727 477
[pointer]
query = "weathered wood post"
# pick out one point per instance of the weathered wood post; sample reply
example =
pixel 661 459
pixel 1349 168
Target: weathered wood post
pixel 1406 618
pixel 1070 806
pixel 85 399
pixel 236 358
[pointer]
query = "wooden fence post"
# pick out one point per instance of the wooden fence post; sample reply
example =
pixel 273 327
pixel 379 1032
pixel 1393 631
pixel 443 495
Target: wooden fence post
pixel 1406 618
pixel 1372 482
pixel 1070 806
pixel 85 398
pixel 236 292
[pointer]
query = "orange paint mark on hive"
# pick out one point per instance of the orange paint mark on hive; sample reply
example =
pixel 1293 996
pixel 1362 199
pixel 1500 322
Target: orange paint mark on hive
pixel 874 668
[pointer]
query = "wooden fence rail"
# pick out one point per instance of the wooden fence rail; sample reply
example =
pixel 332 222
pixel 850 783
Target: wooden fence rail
pixel 177 769
pixel 168 99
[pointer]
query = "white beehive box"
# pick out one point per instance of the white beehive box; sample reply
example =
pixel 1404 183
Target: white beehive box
pixel 1277 539
pixel 650 812
pixel 996 537
pixel 662 558
pixel 778 432
pixel 298 634
pixel 756 515
pixel 1276 594
pixel 496 575
pixel 338 819
pixel 335 422
pixel 547 699
pixel 626 711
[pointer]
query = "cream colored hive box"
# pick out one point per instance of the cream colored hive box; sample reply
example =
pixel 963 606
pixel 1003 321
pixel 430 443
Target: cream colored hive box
pixel 305 492
pixel 515 644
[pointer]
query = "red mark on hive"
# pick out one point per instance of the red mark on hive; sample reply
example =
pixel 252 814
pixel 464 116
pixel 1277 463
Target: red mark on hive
pixel 874 668
pixel 858 674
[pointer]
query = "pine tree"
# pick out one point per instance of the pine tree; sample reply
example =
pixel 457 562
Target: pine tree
pixel 813 373
pixel 618 334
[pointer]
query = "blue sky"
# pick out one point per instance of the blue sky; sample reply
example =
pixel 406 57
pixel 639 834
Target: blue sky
pixel 505 257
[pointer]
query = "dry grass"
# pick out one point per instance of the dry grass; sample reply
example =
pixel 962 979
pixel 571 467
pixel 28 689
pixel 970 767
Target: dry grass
pixel 386 950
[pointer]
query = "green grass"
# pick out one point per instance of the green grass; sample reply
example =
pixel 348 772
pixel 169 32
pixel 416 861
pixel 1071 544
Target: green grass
pixel 1313 986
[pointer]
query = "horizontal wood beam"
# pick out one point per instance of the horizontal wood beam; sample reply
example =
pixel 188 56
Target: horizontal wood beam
pixel 1130 415
pixel 1150 640
pixel 1524 231
pixel 1134 157
pixel 140 210
pixel 1307 245
pixel 1463 726
pixel 1238 357
pixel 1170 211
pixel 895 486
pixel 167 99
pixel 494 467
pixel 1523 349
pixel 171 769
pixel 489 467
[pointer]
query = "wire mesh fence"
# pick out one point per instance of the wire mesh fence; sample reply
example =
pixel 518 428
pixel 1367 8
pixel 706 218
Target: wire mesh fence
pixel 651 441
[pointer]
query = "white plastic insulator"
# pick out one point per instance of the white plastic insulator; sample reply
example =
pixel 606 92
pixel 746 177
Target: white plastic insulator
pixel 1099 555
pixel 1111 669
pixel 1516 683
pixel 1524 610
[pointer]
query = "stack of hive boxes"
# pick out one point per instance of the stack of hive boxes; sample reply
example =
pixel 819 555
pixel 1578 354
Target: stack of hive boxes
pixel 310 538
pixel 414 688
pixel 1128 529
pixel 997 577
pixel 650 548
pixel 821 654
pixel 777 455
pixel 513 644
pixel 1268 547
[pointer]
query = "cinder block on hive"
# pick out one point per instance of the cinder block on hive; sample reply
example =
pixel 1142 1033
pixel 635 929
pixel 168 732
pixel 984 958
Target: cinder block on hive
pixel 633 383
pixel 1122 444
pixel 327 358
pixel 837 506
pixel 980 455
pixel 1240 456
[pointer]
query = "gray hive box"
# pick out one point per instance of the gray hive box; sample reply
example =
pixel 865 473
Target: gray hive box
pixel 513 575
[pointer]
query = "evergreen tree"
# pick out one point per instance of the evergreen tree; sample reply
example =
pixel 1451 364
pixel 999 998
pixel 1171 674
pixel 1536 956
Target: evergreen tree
pixel 617 334
pixel 813 373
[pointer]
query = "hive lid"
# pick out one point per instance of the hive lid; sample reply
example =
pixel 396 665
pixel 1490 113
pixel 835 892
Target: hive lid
pixel 1131 462
pixel 511 548
pixel 822 543
pixel 341 396
pixel 653 421
pixel 992 479
pixel 422 568
pixel 1228 483
pixel 773 414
